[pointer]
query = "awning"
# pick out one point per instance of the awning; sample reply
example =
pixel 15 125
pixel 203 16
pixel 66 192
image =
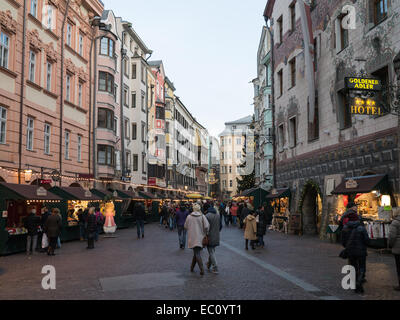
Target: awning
pixel 106 193
pixel 279 193
pixel 147 195
pixel 73 193
pixel 194 196
pixel 363 185
pixel 129 194
pixel 13 191
pixel 247 192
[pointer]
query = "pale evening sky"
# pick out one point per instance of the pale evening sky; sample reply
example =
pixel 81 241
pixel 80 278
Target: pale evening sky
pixel 209 51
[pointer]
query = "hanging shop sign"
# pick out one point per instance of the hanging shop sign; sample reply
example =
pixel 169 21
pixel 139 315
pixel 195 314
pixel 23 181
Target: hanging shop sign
pixel 41 192
pixel 365 106
pixel 363 84
pixel 49 181
pixel 351 184
pixel 5 214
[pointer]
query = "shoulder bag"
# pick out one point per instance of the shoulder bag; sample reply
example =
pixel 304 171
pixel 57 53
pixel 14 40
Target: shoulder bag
pixel 205 239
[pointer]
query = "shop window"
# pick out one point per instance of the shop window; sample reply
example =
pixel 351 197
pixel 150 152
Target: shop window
pixel 293 132
pixel 3 125
pixel 47 136
pixel 106 82
pixel 105 155
pixel 29 134
pixel 107 47
pixel 344 110
pixel 105 119
pixel 4 50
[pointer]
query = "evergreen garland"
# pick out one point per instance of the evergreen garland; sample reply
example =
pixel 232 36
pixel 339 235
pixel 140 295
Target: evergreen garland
pixel 312 184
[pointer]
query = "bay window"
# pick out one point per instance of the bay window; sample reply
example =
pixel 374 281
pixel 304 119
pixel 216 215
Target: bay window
pixel 107 47
pixel 105 119
pixel 105 155
pixel 106 82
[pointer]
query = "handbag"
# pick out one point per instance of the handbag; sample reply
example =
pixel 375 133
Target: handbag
pixel 205 240
pixel 45 241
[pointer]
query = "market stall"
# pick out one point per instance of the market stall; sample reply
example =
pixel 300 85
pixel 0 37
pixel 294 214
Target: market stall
pixel 152 205
pixel 15 202
pixel 127 219
pixel 279 203
pixel 255 196
pixel 73 198
pixel 375 201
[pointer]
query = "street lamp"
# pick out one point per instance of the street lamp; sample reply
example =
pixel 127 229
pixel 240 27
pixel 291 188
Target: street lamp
pixel 28 175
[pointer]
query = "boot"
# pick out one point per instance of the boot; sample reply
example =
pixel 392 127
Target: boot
pixel 247 244
pixel 193 264
pixel 200 263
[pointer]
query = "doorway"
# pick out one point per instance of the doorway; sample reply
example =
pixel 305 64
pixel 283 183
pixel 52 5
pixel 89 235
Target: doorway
pixel 311 210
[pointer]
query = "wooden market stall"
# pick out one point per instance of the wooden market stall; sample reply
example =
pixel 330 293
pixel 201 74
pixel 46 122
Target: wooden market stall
pixel 127 218
pixel 278 202
pixel 15 201
pixel 256 196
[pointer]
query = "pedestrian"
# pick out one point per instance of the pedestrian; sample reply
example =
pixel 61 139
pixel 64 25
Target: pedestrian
pixel 91 227
pixel 53 229
pixel 268 211
pixel 82 219
pixel 58 238
pixel 250 230
pixel 32 224
pixel 165 214
pixel 214 219
pixel 99 223
pixel 140 216
pixel 171 217
pixel 181 216
pixel 226 215
pixel 44 242
pixel 234 212
pixel 197 227
pixel 239 214
pixel 394 243
pixel 244 212
pixel 261 226
pixel 355 240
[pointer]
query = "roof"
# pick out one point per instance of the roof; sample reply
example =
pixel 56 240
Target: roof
pixel 155 63
pixel 280 193
pixel 245 120
pixel 170 84
pixel 23 192
pixel 269 8
pixel 74 193
pixel 136 37
pixel 103 193
pixel 365 184
pixel 129 194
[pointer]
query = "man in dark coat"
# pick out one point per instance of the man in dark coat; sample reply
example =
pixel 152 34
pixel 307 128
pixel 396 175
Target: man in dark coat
pixel 214 220
pixel 268 211
pixel 165 215
pixel 31 223
pixel 355 240
pixel 91 227
pixel 261 226
pixel 181 216
pixel 52 229
pixel 140 216
pixel 240 217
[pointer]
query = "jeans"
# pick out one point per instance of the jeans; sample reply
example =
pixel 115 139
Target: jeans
pixel 171 223
pixel 182 236
pixel 261 240
pixel 212 261
pixel 234 220
pixel 397 259
pixel 31 243
pixel 140 227
pixel 90 240
pixel 82 231
pixel 58 243
pixel 358 264
pixel 226 217
pixel 52 244
pixel 161 221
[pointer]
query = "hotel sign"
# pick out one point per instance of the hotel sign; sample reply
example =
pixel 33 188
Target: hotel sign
pixel 351 184
pixel 365 107
pixel 363 84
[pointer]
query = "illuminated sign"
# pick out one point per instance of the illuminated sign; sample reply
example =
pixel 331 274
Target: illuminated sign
pixel 365 106
pixel 363 84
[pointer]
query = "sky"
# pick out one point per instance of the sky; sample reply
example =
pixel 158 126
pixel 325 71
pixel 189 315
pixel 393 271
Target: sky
pixel 209 50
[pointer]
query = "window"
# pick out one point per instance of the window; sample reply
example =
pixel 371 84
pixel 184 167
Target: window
pixel 134 131
pixel 49 17
pixel 344 110
pixel 107 47
pixel 81 44
pixel 281 137
pixel 160 113
pixel 48 76
pixel 3 123
pixel 292 10
pixel 126 128
pixel 280 29
pixel 115 126
pixel 222 141
pixel 135 162
pixel 142 102
pixel 126 70
pixel 230 183
pixel 143 163
pixel 32 65
pixel 222 155
pixel 143 132
pixel 133 97
pixel 33 8
pixel 69 34
pixel 383 75
pixel 293 72
pixel 293 132
pixel 4 50
pixel 128 166
pixel 142 73
pixel 66 145
pixel 106 119
pixel 79 148
pixel 380 10
pixel 106 82
pixel 238 155
pixel 230 169
pixel 280 82
pixel 105 155
pixel 29 134
pixel 229 141
pixel 126 98
pixel 342 35
pixel 313 128
pixel 134 71
pixel 224 183
pixel 80 89
pixel 238 141
pixel 47 134
pixel 68 88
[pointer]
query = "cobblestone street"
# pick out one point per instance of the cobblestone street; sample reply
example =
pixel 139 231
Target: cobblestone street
pixel 290 267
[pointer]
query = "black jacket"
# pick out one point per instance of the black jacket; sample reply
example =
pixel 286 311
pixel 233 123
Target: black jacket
pixel 355 239
pixel 44 218
pixel 32 223
pixel 139 211
pixel 244 213
pixel 268 214
pixel 91 224
pixel 262 224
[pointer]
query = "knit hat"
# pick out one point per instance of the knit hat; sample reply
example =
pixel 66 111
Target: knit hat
pixel 196 207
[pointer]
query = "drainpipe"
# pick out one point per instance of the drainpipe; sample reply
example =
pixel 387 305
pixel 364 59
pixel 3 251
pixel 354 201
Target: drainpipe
pixel 62 87
pixel 21 106
pixel 94 114
pixel 123 160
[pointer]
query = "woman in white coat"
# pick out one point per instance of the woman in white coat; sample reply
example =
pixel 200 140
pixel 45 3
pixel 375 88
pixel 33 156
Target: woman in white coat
pixel 197 227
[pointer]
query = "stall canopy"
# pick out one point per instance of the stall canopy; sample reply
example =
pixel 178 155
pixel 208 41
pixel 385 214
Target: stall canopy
pixel 25 192
pixel 147 195
pixel 363 185
pixel 279 193
pixel 258 193
pixel 194 196
pixel 73 193
pixel 129 194
pixel 106 193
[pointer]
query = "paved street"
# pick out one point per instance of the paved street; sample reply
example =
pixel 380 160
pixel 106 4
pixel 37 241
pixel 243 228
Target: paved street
pixel 291 267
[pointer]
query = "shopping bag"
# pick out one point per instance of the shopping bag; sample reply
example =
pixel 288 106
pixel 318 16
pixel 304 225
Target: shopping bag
pixel 45 241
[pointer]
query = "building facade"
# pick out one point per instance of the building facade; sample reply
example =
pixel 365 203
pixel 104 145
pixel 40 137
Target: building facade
pixel 319 141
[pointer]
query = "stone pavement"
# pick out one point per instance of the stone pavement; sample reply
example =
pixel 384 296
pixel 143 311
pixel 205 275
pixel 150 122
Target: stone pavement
pixel 154 268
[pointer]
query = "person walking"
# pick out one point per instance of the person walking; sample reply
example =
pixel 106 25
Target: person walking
pixel 140 215
pixel 394 243
pixel 53 229
pixel 197 227
pixel 32 224
pixel 165 214
pixel 261 226
pixel 227 214
pixel 355 240
pixel 91 227
pixel 234 213
pixel 214 219
pixel 82 219
pixel 250 230
pixel 44 242
pixel 181 216
pixel 243 214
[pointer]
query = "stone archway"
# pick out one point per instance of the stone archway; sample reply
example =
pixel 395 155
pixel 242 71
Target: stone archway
pixel 311 209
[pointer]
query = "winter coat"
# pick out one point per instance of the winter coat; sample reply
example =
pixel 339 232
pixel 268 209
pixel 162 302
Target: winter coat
pixel 53 226
pixel 91 224
pixel 44 218
pixel 214 219
pixel 164 212
pixel 181 217
pixel 355 239
pixel 268 211
pixel 394 235
pixel 32 223
pixel 234 210
pixel 250 232
pixel 244 213
pixel 261 225
pixel 197 227
pixel 345 217
pixel 140 213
